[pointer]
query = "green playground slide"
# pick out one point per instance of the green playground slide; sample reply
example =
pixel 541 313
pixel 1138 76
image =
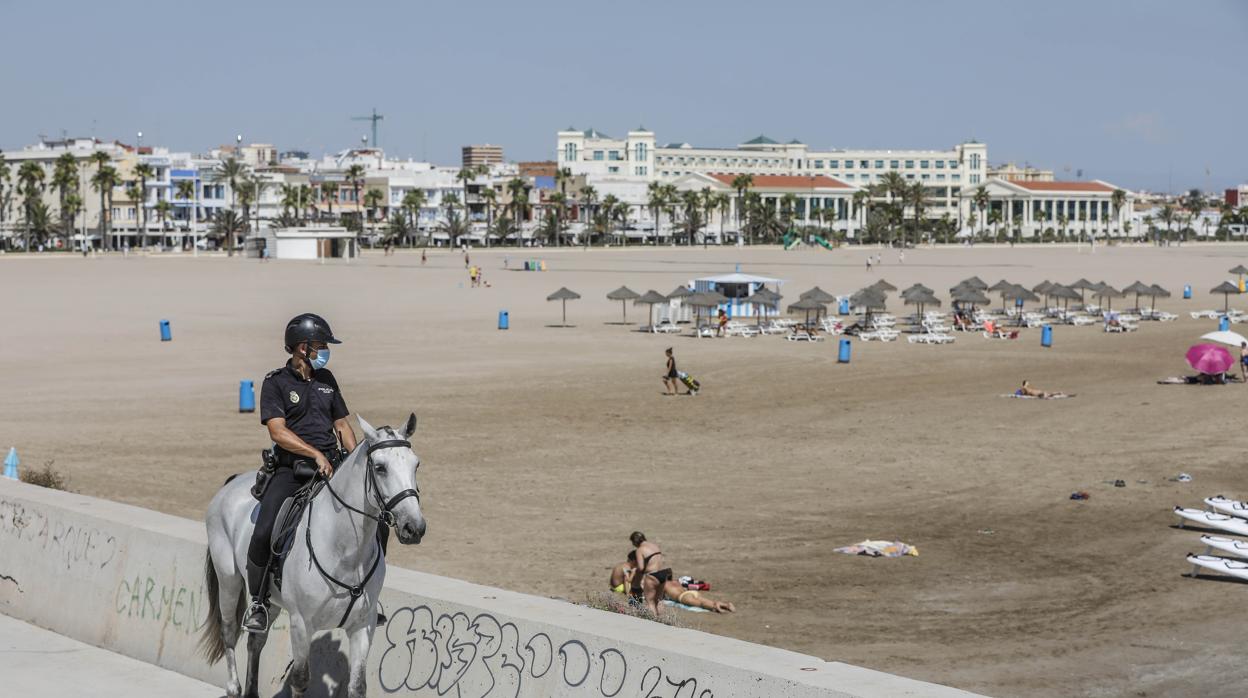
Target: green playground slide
pixel 821 242
pixel 790 239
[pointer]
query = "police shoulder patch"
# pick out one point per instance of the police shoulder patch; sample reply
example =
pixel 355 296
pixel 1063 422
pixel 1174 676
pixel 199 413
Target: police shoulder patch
pixel 294 397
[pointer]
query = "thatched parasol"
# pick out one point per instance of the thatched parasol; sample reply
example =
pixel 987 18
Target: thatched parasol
pixel 1158 292
pixel 1138 288
pixel 564 295
pixel 975 282
pixel 623 294
pixel 651 298
pixel 766 299
pixel 1226 288
pixel 806 305
pixel 680 292
pixel 883 286
pixel 818 295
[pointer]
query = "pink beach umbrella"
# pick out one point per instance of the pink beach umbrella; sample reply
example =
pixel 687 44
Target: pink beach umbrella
pixel 1210 359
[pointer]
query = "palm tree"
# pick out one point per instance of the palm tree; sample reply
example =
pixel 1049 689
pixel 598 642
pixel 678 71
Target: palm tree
pixel 105 180
pixel 947 227
pixel 1083 228
pixel 604 216
pixel 692 204
pixel 398 226
pixel 329 192
pixel 788 209
pixel 1041 217
pixel 163 209
pixel 185 190
pixel 144 172
pixel 490 196
pixel 30 178
pixel 723 202
pixel 861 199
pixel 70 209
pixel 562 175
pixel 373 199
pixel 589 195
pixel 1062 221
pixel 355 177
pixel 1168 216
pixel 5 193
pixel 971 220
pixel 1117 200
pixel 916 195
pixel 518 190
pixel 228 225
pixel 413 201
pixel 981 202
pixel 1194 204
pixel 742 184
pixel 656 199
pixel 233 172
pixel 897 190
pixel 132 193
pixel 708 207
pixel 65 180
pixel 994 219
pixel 38 221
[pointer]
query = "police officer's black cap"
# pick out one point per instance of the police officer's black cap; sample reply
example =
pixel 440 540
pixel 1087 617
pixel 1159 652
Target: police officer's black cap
pixel 308 327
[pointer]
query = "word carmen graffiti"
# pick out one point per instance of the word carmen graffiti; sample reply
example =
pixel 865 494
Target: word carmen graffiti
pixel 182 607
pixel 85 548
pixel 481 658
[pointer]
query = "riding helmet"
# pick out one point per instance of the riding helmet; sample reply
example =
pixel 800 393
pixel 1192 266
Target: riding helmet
pixel 308 327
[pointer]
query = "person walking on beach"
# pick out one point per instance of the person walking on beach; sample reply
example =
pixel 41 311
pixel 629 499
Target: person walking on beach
pixel 466 264
pixel 671 376
pixel 423 258
pixel 722 324
pixel 1243 361
pixel 868 263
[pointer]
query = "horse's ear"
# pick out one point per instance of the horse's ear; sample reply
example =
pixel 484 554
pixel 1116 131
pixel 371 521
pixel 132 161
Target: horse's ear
pixel 410 427
pixel 369 432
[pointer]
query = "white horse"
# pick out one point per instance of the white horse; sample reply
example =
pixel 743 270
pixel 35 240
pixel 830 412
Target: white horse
pixel 334 570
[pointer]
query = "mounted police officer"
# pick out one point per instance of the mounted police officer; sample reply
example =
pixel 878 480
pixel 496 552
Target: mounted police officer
pixel 306 415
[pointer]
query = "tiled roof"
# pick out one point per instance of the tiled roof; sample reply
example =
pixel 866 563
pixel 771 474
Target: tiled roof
pixel 1064 186
pixel 761 140
pixel 787 182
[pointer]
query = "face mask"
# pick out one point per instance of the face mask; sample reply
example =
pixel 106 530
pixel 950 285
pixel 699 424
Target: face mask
pixel 322 358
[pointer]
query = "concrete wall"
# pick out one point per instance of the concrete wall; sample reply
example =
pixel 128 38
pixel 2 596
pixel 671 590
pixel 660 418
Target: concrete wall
pixel 132 580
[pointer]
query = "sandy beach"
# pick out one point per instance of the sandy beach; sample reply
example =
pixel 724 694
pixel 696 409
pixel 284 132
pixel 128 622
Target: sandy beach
pixel 543 447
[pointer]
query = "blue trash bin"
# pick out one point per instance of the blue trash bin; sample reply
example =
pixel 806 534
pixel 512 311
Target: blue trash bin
pixel 246 396
pixel 1187 293
pixel 166 334
pixel 504 319
pixel 1224 324
pixel 842 356
pixel 1046 336
pixel 843 307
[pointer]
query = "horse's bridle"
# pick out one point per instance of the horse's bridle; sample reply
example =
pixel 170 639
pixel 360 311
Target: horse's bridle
pixel 386 516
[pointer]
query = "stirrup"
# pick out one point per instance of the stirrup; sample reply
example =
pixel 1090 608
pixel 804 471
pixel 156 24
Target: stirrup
pixel 256 620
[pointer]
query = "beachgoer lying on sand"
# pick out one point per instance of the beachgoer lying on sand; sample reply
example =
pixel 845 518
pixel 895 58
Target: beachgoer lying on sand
pixel 672 590
pixel 1028 391
pixel 1199 379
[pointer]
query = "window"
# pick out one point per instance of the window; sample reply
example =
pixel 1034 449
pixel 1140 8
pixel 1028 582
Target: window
pixel 849 164
pixel 639 152
pixel 910 175
pixel 955 177
pixel 926 176
pixel 940 164
pixel 569 152
pixel 974 162
pixel 864 164
pixel 818 164
pixel 613 169
pixel 641 170
pixel 894 164
pixel 953 164
pixel 597 154
pixel 834 164
pixel 614 155
pixel 923 164
pixel 849 177
pixel 940 177
pixel 909 164
pixel 974 179
pixel 879 164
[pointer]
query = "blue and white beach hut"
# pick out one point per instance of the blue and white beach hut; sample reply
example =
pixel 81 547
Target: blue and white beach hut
pixel 737 287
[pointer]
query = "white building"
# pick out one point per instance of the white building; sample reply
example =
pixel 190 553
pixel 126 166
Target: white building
pixel 1034 206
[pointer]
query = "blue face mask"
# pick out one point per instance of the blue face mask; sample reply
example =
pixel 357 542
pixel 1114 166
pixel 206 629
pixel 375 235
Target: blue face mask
pixel 322 358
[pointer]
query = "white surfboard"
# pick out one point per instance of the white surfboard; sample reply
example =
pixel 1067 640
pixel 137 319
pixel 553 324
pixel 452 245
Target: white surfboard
pixel 1231 507
pixel 1235 568
pixel 1232 546
pixel 1230 524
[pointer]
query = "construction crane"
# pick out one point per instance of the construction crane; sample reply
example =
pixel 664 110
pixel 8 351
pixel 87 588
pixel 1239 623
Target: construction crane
pixel 374 117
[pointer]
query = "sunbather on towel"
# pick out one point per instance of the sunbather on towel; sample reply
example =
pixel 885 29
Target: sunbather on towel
pixel 672 589
pixel 1028 391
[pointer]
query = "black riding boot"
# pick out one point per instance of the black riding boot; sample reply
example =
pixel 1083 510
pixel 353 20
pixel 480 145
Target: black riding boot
pixel 256 620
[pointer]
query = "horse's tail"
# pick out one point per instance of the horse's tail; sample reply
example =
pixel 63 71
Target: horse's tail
pixel 211 643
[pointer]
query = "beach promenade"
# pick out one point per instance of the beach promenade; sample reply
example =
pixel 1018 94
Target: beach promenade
pixel 544 447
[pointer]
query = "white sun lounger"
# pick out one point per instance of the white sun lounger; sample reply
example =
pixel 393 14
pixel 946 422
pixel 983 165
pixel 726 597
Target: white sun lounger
pixel 882 334
pixel 930 338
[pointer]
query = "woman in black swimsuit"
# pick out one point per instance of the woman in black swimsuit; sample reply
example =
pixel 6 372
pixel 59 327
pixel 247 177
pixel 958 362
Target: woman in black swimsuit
pixel 670 378
pixel 650 576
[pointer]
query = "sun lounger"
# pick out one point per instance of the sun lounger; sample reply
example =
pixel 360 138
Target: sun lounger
pixel 882 334
pixel 1210 314
pixel 704 331
pixel 936 326
pixel 737 329
pixel 799 335
pixel 931 338
pixel 665 327
pixel 1162 316
pixel 831 326
pixel 773 328
pixel 1080 320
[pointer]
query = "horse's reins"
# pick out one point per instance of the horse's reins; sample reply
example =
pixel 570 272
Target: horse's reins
pixel 385 518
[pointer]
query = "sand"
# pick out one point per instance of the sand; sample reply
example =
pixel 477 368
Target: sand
pixel 543 448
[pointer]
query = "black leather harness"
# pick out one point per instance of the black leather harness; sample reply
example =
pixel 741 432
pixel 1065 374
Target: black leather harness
pixel 385 517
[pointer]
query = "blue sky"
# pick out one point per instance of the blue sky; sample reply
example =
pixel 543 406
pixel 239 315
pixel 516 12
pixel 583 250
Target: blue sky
pixel 1145 94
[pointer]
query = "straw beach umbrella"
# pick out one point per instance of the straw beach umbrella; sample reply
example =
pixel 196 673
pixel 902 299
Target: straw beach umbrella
pixel 1226 288
pixel 564 295
pixel 704 299
pixel 1018 293
pixel 975 282
pixel 1082 285
pixel 868 299
pixel 651 298
pixel 819 295
pixel 623 294
pixel 1240 270
pixel 1104 290
pixel 883 286
pixel 806 305
pixel 921 300
pixel 1064 293
pixel 1138 288
pixel 917 288
pixel 764 299
pixel 1158 292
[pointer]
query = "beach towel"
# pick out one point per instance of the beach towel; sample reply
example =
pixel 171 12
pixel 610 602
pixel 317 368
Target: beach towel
pixel 1055 396
pixel 683 607
pixel 880 548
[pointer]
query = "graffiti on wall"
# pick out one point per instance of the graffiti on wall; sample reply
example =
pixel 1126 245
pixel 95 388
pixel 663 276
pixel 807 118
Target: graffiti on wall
pixel 77 547
pixel 480 657
pixel 185 608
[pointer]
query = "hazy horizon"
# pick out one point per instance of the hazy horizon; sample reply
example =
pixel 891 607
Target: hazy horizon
pixel 1147 95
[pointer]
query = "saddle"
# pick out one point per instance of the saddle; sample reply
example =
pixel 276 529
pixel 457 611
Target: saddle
pixel 288 516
